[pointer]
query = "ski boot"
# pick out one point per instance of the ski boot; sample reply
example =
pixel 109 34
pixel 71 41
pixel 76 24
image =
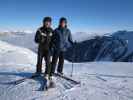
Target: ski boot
pixel 50 82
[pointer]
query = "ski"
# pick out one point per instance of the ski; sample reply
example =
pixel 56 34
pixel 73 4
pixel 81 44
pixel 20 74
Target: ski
pixel 44 86
pixel 66 78
pixel 19 81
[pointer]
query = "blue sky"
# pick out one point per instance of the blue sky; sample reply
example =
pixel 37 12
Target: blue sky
pixel 83 15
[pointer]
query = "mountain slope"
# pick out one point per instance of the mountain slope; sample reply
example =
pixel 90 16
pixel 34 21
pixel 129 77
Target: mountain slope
pixel 20 39
pixel 10 54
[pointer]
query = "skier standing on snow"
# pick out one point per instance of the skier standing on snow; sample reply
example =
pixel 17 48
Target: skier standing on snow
pixel 43 38
pixel 62 40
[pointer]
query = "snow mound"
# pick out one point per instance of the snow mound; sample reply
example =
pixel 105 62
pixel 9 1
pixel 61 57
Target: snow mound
pixel 10 54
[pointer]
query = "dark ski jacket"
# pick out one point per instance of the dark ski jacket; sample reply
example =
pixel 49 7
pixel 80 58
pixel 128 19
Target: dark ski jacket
pixel 62 39
pixel 44 38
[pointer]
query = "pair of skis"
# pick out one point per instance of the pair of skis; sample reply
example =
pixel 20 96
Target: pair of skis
pixel 44 85
pixel 19 81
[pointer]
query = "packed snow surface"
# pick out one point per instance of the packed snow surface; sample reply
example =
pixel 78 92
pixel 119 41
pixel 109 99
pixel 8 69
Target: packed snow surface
pixel 99 80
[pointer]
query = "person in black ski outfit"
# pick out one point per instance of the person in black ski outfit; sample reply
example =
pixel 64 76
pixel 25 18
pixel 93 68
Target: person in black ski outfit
pixel 43 38
pixel 62 39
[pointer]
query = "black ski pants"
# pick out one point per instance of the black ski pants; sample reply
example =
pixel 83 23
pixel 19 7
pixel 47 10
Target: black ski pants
pixel 57 55
pixel 42 53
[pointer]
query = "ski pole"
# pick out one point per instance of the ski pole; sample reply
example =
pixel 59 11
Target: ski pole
pixel 73 58
pixel 72 69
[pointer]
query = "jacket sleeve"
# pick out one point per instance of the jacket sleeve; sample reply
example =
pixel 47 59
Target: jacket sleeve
pixel 70 37
pixel 37 37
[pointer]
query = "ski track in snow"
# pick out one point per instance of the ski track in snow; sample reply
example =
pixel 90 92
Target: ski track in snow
pixel 99 80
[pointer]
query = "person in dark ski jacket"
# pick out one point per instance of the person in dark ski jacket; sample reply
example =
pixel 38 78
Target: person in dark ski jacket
pixel 43 38
pixel 62 40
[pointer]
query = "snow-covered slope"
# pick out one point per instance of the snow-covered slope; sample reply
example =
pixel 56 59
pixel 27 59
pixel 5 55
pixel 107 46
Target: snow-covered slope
pixel 10 54
pixel 99 81
pixel 20 39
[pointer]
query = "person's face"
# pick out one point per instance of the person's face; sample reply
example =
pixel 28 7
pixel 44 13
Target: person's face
pixel 63 24
pixel 47 24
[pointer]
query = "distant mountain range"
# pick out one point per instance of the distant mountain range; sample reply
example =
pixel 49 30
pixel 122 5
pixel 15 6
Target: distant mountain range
pixel 16 32
pixel 115 46
pixel 110 47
